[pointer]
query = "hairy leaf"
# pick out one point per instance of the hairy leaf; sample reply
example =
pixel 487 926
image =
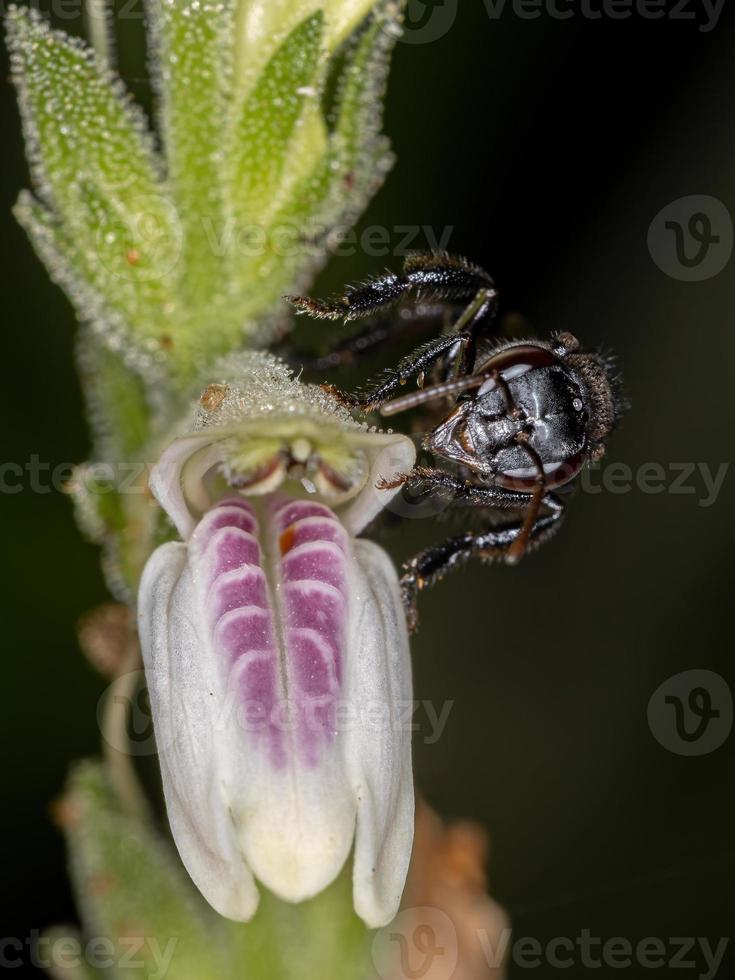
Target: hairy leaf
pixel 193 75
pixel 87 143
pixel 265 125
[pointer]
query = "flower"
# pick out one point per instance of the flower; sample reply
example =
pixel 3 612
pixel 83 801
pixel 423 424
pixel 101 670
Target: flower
pixel 276 649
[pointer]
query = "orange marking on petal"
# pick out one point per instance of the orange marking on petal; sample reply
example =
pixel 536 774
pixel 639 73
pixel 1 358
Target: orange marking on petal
pixel 287 539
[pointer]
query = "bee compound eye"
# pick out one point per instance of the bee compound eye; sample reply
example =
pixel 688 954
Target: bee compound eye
pixel 519 359
pixel 525 479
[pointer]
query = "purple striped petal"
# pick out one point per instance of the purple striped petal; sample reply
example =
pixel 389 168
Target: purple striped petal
pixel 231 589
pixel 298 577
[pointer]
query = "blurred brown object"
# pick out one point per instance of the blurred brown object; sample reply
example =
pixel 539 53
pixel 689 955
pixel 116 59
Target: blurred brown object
pixel 462 931
pixel 105 635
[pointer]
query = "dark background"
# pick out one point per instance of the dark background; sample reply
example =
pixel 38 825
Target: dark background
pixel 549 146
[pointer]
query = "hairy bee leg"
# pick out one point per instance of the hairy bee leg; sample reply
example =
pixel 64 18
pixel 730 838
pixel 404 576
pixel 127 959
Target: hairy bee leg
pixel 419 361
pixel 411 321
pixel 439 277
pixel 430 566
pixel 436 277
pixel 372 338
pixel 415 363
pixel 463 492
pixel 496 543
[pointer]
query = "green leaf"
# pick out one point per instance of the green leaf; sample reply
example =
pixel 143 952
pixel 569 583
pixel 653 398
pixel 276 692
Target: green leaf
pixel 352 167
pixel 113 510
pixel 262 25
pixel 112 503
pixel 116 394
pixel 117 401
pixel 132 889
pixel 193 75
pixel 358 157
pixel 264 130
pixel 63 261
pixel 87 144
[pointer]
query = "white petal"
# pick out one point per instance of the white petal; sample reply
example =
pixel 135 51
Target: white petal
pixel 388 455
pixel 167 476
pixel 184 690
pixel 295 827
pixel 379 753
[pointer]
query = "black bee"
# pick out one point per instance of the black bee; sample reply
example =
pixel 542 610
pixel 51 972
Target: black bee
pixel 518 420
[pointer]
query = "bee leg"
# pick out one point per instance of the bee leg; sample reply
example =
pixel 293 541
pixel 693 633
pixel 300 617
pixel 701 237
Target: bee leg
pixel 462 493
pixel 424 357
pixel 435 277
pixel 431 277
pixel 370 339
pixel 430 566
